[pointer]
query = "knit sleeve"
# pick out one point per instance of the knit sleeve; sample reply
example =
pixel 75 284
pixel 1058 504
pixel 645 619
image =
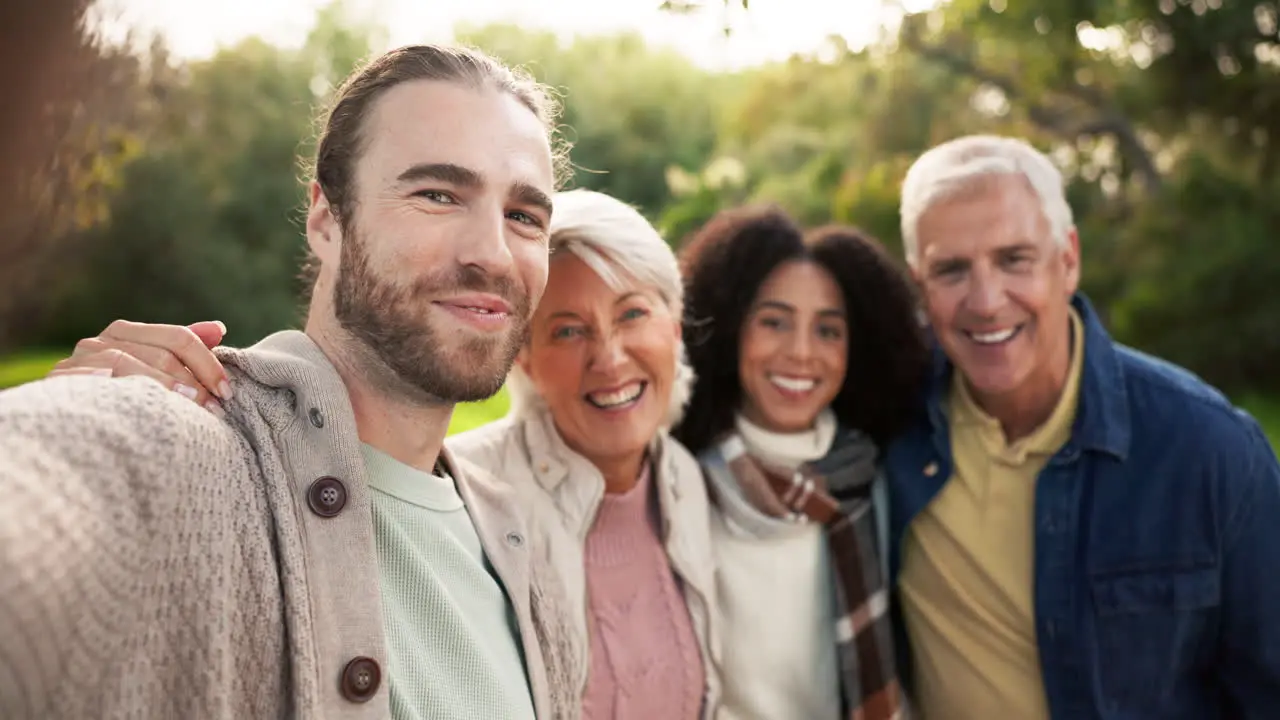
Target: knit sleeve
pixel 89 468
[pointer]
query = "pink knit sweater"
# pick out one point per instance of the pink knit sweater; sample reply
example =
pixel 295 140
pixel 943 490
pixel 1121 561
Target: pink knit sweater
pixel 645 662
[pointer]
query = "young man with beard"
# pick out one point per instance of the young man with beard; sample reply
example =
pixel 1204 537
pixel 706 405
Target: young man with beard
pixel 1077 530
pixel 311 553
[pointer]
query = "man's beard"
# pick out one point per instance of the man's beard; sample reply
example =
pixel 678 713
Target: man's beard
pixel 394 324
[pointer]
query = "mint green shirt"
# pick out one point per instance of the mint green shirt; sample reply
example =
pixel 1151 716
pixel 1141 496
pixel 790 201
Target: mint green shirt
pixel 452 636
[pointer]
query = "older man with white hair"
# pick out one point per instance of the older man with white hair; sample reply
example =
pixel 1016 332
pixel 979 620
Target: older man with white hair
pixel 1078 530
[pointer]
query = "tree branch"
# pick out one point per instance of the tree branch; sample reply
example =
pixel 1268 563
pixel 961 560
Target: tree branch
pixel 1105 119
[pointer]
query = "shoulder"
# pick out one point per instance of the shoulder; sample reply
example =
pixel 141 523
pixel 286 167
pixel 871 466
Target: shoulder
pixel 1206 452
pixel 495 455
pixel 1147 376
pixel 488 445
pixel 482 478
pixel 1189 433
pixel 682 475
pixel 681 471
pixel 1170 404
pixel 120 416
pixel 679 462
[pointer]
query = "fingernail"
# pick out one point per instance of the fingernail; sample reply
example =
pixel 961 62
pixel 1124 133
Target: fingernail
pixel 101 372
pixel 186 391
pixel 224 390
pixel 220 324
pixel 215 408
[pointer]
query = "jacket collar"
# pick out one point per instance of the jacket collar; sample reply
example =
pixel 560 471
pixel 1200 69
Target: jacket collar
pixel 1103 422
pixel 284 359
pixel 554 463
pixel 291 363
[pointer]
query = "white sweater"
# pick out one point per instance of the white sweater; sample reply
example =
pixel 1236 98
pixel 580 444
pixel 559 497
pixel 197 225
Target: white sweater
pixel 777 598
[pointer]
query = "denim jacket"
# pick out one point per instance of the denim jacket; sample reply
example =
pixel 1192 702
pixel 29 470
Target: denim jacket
pixel 1157 542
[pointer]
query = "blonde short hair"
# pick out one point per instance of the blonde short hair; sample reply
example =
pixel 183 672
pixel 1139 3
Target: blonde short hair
pixel 623 248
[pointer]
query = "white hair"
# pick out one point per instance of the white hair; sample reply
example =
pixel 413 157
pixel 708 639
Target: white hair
pixel 957 164
pixel 620 246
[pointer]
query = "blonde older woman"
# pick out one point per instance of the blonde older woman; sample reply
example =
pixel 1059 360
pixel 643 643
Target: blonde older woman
pixel 619 509
pixel 623 507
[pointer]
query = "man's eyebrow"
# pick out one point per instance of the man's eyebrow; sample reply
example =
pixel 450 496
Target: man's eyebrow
pixel 444 172
pixel 526 194
pixel 460 176
pixel 1022 246
pixel 947 263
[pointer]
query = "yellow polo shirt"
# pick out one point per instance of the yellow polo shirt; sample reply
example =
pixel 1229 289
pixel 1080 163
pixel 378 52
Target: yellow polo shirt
pixel 967 566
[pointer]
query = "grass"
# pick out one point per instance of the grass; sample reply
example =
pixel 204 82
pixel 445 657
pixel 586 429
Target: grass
pixel 471 415
pixel 27 366
pixel 33 365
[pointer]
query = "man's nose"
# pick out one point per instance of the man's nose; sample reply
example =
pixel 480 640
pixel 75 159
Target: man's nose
pixel 483 245
pixel 986 293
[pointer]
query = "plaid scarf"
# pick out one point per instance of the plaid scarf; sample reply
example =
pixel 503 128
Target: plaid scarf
pixel 834 491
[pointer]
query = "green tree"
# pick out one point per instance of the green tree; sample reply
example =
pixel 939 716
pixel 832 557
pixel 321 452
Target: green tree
pixel 829 136
pixel 74 116
pixel 205 223
pixel 630 110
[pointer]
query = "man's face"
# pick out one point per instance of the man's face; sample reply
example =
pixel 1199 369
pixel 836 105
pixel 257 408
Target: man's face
pixel 444 255
pixel 997 287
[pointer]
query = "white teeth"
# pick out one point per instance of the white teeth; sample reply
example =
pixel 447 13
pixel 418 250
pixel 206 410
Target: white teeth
pixel 793 384
pixel 992 338
pixel 482 311
pixel 622 396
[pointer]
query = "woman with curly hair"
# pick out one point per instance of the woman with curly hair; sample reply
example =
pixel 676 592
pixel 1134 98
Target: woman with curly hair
pixel 808 355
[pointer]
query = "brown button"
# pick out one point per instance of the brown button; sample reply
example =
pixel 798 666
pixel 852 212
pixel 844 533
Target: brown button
pixel 360 679
pixel 327 496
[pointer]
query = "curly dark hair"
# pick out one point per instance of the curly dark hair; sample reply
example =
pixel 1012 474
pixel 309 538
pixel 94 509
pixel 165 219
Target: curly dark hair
pixel 725 263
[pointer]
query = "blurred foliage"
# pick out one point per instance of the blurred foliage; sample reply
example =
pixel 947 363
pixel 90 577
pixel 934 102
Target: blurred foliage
pixel 205 222
pixel 65 134
pixel 1164 115
pixel 630 110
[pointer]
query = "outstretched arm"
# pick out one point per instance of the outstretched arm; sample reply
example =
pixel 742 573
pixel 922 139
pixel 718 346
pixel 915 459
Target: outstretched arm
pixel 86 469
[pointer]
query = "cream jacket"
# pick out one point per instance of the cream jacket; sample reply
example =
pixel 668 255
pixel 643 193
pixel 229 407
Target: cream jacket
pixel 156 562
pixel 563 492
